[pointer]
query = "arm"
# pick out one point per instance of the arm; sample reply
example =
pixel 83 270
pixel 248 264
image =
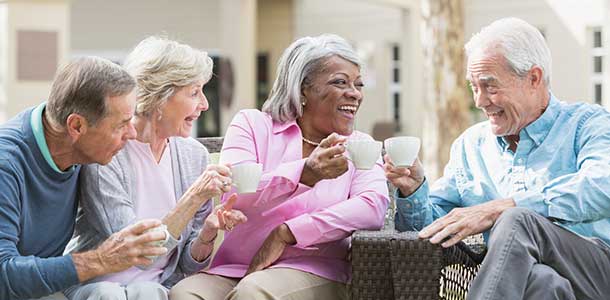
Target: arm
pixel 111 206
pixel 582 196
pixel 241 143
pixel 25 276
pixel 416 205
pixel 365 209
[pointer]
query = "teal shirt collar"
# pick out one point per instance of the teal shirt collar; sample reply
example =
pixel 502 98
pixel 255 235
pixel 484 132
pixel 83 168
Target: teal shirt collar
pixel 38 129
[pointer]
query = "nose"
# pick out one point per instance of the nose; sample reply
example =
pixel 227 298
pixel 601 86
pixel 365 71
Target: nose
pixel 354 93
pixel 480 99
pixel 130 132
pixel 203 104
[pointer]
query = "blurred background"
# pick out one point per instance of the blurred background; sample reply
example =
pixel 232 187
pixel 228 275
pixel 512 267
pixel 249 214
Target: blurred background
pixel 412 49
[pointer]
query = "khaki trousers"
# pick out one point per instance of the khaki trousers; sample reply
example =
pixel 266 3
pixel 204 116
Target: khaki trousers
pixel 269 284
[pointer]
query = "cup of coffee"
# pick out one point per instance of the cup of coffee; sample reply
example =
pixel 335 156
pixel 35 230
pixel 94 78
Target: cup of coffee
pixel 246 177
pixel 402 150
pixel 159 243
pixel 364 153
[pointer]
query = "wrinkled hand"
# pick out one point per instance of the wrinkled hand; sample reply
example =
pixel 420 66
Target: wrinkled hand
pixel 272 248
pixel 460 223
pixel 408 180
pixel 225 217
pixel 326 161
pixel 130 246
pixel 213 182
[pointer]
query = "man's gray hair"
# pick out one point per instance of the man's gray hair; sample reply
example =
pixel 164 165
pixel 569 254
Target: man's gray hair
pixel 82 87
pixel 301 60
pixel 160 66
pixel 520 43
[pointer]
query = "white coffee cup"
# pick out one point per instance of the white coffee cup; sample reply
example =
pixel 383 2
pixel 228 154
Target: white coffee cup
pixel 246 177
pixel 159 243
pixel 364 153
pixel 402 150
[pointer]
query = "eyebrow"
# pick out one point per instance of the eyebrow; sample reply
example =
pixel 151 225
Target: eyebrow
pixel 484 78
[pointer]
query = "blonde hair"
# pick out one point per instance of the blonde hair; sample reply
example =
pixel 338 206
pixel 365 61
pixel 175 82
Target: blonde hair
pixel 160 66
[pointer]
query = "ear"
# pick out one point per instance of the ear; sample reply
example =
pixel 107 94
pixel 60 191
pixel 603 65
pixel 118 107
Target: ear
pixel 76 125
pixel 534 78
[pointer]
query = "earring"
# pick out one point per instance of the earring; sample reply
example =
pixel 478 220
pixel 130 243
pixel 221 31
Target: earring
pixel 303 103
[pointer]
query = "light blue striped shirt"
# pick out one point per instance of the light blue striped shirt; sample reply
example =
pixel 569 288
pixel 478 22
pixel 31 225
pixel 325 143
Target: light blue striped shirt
pixel 561 170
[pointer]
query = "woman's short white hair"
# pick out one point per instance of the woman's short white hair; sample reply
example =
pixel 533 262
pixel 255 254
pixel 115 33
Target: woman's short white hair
pixel 520 43
pixel 302 59
pixel 160 66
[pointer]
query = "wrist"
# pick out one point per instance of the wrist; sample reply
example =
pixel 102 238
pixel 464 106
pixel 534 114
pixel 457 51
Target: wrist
pixel 406 191
pixel 284 233
pixel 307 175
pixel 88 265
pixel 207 237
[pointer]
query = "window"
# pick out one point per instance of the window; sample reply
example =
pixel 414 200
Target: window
pixel 262 79
pixel 395 86
pixel 597 64
pixel 597 93
pixel 208 123
pixel 597 38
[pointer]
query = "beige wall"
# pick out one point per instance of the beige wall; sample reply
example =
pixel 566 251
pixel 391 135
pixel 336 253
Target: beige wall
pixel 116 26
pixel 565 24
pixel 37 15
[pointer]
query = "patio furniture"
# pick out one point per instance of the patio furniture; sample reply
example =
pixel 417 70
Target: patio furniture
pixel 388 264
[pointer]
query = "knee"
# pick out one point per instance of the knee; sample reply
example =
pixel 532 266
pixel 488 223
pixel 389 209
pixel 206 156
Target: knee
pixel 511 218
pixel 249 288
pixel 146 290
pixel 107 291
pixel 183 291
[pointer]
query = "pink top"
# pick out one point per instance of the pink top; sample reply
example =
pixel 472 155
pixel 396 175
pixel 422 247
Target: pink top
pixel 154 198
pixel 321 218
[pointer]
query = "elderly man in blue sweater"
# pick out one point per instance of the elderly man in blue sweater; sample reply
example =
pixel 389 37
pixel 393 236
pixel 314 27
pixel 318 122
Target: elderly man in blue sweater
pixel 86 120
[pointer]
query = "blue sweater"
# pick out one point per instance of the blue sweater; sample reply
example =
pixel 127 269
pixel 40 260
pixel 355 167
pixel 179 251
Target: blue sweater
pixel 37 215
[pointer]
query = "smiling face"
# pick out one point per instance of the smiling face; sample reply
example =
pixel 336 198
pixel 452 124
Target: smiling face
pixel 182 109
pixel 509 101
pixel 332 95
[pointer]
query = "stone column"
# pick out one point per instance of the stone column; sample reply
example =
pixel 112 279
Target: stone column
pixel 237 42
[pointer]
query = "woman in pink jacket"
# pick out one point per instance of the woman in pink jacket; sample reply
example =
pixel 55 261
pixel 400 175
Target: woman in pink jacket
pixel 311 197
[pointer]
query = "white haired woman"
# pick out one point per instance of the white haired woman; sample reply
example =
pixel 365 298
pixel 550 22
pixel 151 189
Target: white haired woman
pixel 162 174
pixel 310 197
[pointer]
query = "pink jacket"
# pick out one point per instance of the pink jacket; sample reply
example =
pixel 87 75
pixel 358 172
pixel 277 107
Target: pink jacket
pixel 322 218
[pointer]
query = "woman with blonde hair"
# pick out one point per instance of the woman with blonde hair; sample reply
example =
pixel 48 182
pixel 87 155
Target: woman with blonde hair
pixel 162 174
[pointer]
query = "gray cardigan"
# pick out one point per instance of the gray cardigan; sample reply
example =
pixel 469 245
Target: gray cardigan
pixel 106 205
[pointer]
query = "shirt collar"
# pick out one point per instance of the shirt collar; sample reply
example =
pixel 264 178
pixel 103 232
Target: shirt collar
pixel 540 128
pixel 38 130
pixel 279 127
